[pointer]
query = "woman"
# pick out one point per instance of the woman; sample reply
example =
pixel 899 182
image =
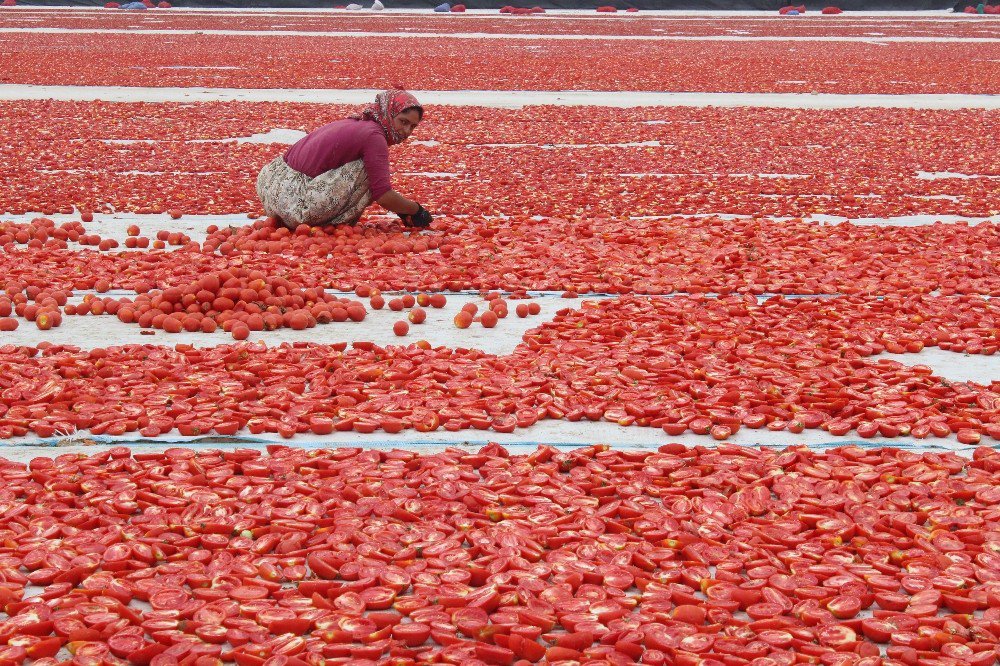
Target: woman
pixel 332 174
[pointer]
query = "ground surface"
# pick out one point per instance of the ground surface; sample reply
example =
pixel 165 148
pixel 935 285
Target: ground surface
pixel 741 228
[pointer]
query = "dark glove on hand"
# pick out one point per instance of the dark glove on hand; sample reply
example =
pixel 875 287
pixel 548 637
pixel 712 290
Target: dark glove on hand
pixel 419 219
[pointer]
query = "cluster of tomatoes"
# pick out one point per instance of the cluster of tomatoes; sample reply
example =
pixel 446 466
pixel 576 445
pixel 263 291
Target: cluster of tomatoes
pixel 857 67
pixel 496 309
pixel 724 557
pixel 647 162
pixel 356 243
pixel 704 365
pixel 41 233
pixel 238 301
pixel 34 303
pixel 747 26
pixel 44 234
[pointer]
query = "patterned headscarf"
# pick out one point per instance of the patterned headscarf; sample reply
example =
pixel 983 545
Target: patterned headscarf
pixel 387 105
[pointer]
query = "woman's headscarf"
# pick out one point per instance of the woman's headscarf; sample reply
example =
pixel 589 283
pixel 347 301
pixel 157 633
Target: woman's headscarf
pixel 387 105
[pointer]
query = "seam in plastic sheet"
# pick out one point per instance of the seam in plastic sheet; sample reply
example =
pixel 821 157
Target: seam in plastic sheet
pixel 700 5
pixel 534 294
pixel 380 444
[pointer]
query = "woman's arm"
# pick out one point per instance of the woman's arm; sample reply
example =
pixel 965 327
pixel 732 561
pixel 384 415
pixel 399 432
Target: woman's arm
pixel 395 202
pixel 376 158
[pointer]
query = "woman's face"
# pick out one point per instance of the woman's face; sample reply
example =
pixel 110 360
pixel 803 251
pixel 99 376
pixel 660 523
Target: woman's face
pixel 405 122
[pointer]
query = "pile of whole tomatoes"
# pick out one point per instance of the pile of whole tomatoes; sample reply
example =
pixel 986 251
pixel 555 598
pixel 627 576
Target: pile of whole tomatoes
pixel 238 301
pixel 712 557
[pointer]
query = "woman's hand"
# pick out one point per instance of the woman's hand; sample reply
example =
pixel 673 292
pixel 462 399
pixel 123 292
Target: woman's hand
pixel 419 219
pixel 410 212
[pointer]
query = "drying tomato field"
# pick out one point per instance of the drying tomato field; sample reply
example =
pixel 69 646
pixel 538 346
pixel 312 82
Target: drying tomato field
pixel 670 385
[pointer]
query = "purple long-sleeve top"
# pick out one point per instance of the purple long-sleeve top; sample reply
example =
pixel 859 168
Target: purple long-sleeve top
pixel 335 144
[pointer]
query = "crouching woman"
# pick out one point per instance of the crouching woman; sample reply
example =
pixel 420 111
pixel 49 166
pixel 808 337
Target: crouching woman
pixel 333 173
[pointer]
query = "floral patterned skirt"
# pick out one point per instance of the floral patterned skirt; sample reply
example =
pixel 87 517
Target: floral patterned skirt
pixel 338 196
